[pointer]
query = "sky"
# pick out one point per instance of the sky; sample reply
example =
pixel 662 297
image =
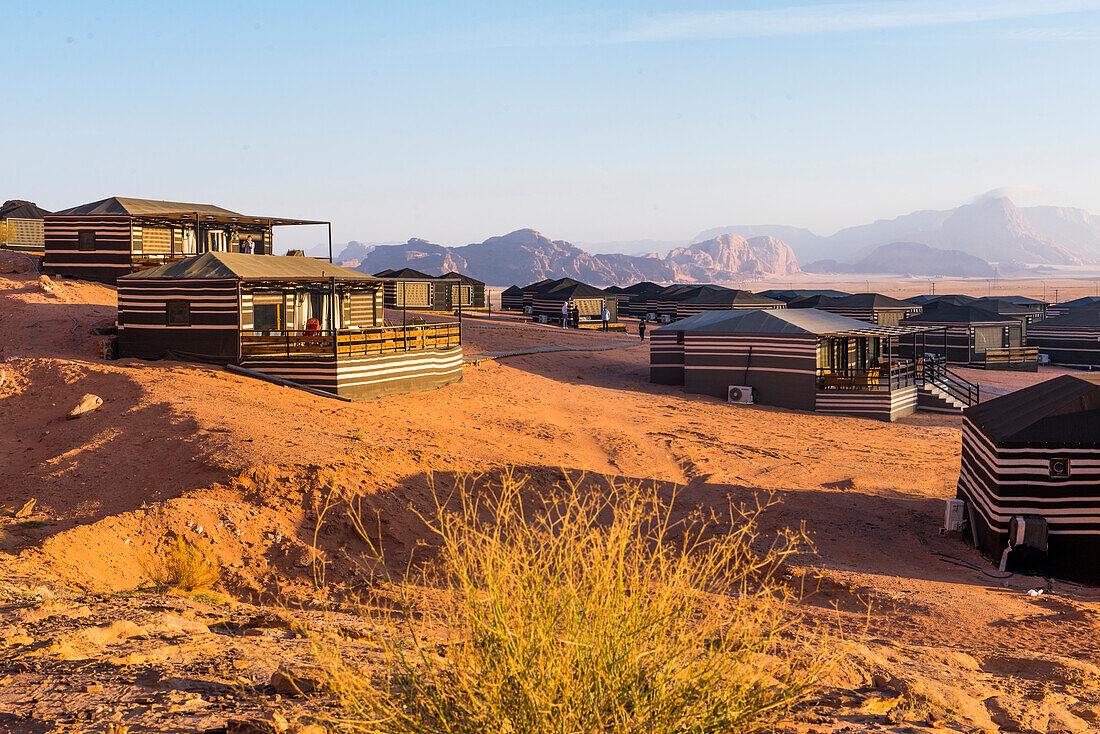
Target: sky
pixel 591 122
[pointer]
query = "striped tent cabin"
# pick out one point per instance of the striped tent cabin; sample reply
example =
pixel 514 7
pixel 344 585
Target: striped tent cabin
pixel 411 290
pixel 972 336
pixel 551 304
pixel 1061 309
pixel 294 318
pixel 793 294
pixel 1031 459
pixel 1031 309
pixel 725 300
pixel 107 239
pixel 640 302
pixel 22 226
pixel 464 292
pixel 793 358
pixel 1072 339
pixel 529 291
pixel 662 306
pixel 874 308
pixel 511 299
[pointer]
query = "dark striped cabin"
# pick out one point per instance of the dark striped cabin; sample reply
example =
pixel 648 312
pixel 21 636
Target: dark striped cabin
pixel 662 306
pixel 1072 339
pixel 972 336
pixel 873 308
pixel 724 300
pixel 411 290
pixel 511 299
pixel 1061 309
pixel 295 318
pixel 21 226
pixel 638 299
pixel 794 294
pixel 464 292
pixel 553 304
pixel 107 239
pixel 529 291
pixel 803 359
pixel 1035 454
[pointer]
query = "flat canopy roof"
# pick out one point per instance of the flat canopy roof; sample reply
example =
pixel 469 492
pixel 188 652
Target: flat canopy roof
pixel 788 321
pixel 175 211
pixel 228 265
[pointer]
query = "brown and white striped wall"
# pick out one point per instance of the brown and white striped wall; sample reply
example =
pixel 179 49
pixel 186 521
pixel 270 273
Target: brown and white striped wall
pixel 999 483
pixel 109 257
pixel 880 316
pixel 511 301
pixel 213 331
pixel 666 357
pixel 783 370
pixel 1073 346
pixel 883 405
pixel 684 310
pixel 365 377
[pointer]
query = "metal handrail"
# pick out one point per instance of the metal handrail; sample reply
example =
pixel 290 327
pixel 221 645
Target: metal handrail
pixel 934 371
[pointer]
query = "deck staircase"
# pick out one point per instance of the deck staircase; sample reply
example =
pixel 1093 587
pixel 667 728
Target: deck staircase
pixel 943 391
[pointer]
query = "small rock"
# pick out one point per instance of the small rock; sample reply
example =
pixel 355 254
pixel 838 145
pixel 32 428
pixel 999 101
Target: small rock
pixel 45 284
pixel 27 509
pixel 293 680
pixel 86 404
pixel 92 688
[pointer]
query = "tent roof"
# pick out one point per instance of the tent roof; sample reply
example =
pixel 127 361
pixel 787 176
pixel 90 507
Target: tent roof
pixel 544 283
pixel 643 288
pixel 404 274
pixel 573 289
pixel 790 295
pixel 175 210
pixel 1079 302
pixel 512 290
pixel 1003 306
pixel 1015 300
pixel 813 301
pixel 1084 316
pixel 960 315
pixel 459 276
pixel 217 265
pixel 1064 411
pixel 949 299
pixel 22 210
pixel 774 321
pixel 738 298
pixel 871 300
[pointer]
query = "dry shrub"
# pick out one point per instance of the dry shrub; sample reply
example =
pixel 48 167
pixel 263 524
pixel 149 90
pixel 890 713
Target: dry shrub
pixel 182 566
pixel 584 612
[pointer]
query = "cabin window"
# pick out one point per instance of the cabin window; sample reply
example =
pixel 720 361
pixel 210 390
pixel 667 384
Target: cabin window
pixel 85 240
pixel 268 316
pixel 413 294
pixel 462 295
pixel 178 313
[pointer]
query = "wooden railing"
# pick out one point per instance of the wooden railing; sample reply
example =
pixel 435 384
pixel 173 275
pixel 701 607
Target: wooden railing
pixel 935 372
pixel 885 377
pixel 1011 355
pixel 350 342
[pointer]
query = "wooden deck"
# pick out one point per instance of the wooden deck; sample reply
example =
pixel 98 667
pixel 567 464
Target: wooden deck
pixel 350 342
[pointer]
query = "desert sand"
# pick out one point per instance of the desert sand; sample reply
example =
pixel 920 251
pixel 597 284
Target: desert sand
pixel 243 466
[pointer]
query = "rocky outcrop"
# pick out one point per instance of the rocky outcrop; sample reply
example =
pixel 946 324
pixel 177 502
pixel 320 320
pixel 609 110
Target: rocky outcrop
pixel 910 258
pixel 526 255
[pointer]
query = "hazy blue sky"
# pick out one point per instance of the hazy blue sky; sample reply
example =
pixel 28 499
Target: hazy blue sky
pixel 587 121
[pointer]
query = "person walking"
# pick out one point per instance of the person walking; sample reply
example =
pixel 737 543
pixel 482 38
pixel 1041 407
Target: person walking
pixel 606 317
pixel 641 329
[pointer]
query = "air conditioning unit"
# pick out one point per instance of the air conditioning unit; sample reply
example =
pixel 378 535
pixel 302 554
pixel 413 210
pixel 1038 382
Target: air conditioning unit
pixel 1044 358
pixel 953 516
pixel 666 319
pixel 740 394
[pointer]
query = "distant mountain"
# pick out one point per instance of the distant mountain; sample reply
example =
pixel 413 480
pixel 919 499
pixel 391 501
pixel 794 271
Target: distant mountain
pixel 910 258
pixel 1073 228
pixel 992 229
pixel 525 256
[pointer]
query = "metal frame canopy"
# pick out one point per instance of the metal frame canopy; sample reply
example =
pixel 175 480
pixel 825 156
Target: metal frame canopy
pixel 184 213
pixel 886 331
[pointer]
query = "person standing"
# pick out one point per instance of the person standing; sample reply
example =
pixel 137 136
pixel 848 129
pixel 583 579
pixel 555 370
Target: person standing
pixel 575 318
pixel 246 246
pixel 565 315
pixel 605 317
pixel 641 329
